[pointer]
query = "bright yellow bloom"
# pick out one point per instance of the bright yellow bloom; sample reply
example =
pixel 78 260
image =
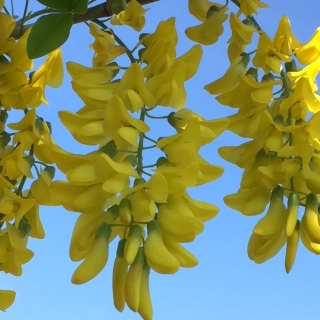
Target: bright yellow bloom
pixel 249 201
pixel 182 147
pixel 85 127
pixel 284 40
pixel 263 248
pixel 17 253
pixel 158 256
pixel 310 72
pixel 242 33
pixel 41 189
pixel 168 86
pixel 304 96
pixel 96 259
pixel 210 129
pixel 132 89
pixel 14 207
pixel 243 155
pixel 267 57
pixel 104 47
pixel 132 16
pixel 33 218
pixel 231 78
pixel 120 126
pixel 16 164
pixel 250 7
pixel 7 25
pixel 309 52
pixel 177 220
pixel 210 30
pixel 200 8
pixel 160 48
pixel 6 299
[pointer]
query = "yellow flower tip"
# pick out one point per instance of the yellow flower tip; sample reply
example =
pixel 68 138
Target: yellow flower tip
pixel 6 299
pixel 133 16
pixel 209 31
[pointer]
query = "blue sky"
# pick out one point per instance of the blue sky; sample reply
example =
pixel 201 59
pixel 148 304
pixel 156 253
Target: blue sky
pixel 225 284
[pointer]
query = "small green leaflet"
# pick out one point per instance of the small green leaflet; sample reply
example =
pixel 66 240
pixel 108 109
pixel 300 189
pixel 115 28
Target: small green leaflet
pixel 74 6
pixel 48 33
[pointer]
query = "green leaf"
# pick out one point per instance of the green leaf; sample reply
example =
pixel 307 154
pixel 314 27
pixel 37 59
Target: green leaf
pixel 63 5
pixel 80 6
pixel 48 33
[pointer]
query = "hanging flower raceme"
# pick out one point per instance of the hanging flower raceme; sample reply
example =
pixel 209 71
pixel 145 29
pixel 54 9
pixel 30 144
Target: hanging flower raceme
pixel 145 207
pixel 25 148
pixel 281 157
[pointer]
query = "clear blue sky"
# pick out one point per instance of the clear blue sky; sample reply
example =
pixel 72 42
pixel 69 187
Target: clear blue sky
pixel 225 284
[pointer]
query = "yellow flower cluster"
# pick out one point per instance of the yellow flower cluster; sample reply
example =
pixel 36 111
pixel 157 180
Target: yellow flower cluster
pixel 279 115
pixel 146 207
pixel 21 143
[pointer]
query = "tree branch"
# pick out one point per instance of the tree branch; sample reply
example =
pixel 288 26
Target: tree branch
pixel 101 10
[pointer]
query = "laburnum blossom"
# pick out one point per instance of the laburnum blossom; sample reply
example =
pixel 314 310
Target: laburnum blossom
pixel 267 57
pixel 231 78
pixel 7 298
pixel 284 40
pixel 309 52
pixel 7 25
pixel 210 30
pixel 16 252
pixel 104 47
pixel 250 7
pixel 242 32
pixel 132 16
pixel 122 127
pixel 200 8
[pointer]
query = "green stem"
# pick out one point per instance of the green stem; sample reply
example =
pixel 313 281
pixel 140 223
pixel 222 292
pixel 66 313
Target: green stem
pixel 24 15
pixel 155 117
pixel 140 146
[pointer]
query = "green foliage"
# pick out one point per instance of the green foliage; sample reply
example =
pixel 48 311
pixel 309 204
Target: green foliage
pixel 48 33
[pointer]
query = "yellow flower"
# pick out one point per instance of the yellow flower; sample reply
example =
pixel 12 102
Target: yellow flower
pixel 34 221
pixel 210 129
pixel 132 89
pixel 249 201
pixel 168 86
pixel 242 32
pixel 52 69
pixel 243 155
pixel 160 48
pixel 85 127
pixel 199 8
pixel 6 299
pixel 182 147
pixel 250 7
pixel 132 16
pixel 210 30
pixel 16 164
pixel 177 220
pixel 119 125
pixel 267 57
pixel 7 25
pixel 14 207
pixel 104 47
pixel 231 78
pixel 309 72
pixel 284 40
pixel 303 95
pixel 309 52
pixel 41 189
pixel 17 253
